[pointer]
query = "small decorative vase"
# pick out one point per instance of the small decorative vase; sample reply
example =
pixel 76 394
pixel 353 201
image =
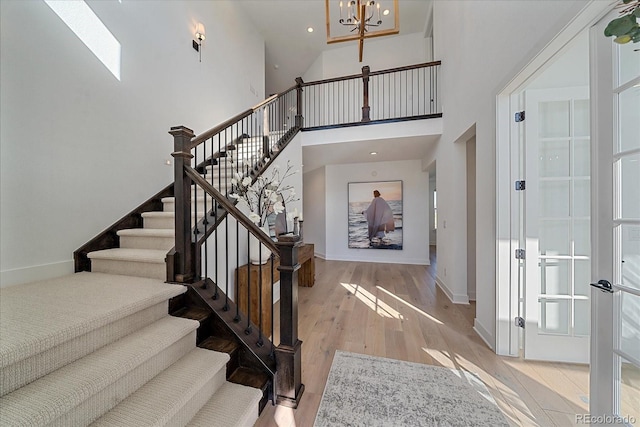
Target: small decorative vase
pixel 256 255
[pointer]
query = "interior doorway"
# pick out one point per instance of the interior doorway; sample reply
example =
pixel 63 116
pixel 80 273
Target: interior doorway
pixel 433 212
pixel 471 218
pixel 542 264
pixel 555 215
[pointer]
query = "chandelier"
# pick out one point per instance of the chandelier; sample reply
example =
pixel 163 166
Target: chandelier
pixel 360 19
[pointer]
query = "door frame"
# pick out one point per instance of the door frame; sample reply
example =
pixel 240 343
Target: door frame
pixel 507 333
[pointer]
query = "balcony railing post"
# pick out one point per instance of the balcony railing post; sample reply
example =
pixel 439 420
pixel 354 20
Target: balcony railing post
pixel 184 269
pixel 365 94
pixel 289 387
pixel 299 116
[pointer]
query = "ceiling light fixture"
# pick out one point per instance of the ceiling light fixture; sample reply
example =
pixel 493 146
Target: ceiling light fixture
pixel 358 20
pixel 373 153
pixel 310 30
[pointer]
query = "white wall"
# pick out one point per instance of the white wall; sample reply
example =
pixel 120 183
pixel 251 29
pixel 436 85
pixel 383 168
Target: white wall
pixel 415 211
pixel 379 54
pixel 570 69
pixel 315 71
pixel 79 148
pixel 314 210
pixel 493 41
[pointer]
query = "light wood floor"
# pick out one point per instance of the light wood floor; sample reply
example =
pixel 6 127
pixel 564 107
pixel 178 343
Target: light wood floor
pixel 397 311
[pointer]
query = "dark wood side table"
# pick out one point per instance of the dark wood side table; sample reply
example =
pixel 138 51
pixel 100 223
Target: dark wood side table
pixel 261 279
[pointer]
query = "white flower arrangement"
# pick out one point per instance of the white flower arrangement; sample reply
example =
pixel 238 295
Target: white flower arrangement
pixel 266 195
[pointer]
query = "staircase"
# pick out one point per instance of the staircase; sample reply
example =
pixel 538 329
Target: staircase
pixel 100 349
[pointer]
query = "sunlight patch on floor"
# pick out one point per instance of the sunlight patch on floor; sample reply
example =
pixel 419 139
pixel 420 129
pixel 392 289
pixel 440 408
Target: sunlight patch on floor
pixel 413 307
pixel 507 399
pixel 380 307
pixel 284 417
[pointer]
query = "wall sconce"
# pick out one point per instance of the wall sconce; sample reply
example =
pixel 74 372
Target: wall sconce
pixel 200 36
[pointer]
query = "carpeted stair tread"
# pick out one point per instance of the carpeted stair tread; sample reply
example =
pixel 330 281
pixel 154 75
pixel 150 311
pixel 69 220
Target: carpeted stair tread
pixel 38 316
pixel 127 254
pixel 174 396
pixel 233 405
pixel 165 214
pixel 68 388
pixel 147 232
pixel 200 199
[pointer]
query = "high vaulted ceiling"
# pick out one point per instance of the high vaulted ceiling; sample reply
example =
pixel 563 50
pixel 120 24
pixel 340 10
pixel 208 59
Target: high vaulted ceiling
pixel 290 50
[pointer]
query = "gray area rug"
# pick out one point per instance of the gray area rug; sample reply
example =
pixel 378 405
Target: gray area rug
pixel 373 391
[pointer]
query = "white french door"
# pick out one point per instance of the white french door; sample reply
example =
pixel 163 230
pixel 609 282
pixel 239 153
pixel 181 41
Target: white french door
pixel 557 224
pixel 615 342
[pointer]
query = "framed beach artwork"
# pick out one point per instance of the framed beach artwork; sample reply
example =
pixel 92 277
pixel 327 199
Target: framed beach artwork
pixel 375 215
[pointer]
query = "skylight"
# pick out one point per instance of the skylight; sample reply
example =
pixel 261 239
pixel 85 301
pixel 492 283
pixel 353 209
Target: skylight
pixel 90 30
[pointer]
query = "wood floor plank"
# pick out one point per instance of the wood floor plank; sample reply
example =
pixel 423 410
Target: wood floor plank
pixel 398 311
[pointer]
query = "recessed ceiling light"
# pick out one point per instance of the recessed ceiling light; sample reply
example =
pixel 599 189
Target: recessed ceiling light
pixel 386 12
pixel 310 30
pixel 373 153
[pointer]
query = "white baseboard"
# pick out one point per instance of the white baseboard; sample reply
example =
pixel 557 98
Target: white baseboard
pixel 411 261
pixel 472 296
pixel 35 273
pixel 320 255
pixel 454 298
pixel 484 334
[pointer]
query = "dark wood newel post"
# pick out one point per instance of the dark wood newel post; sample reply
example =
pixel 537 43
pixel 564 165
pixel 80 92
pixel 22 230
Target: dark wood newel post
pixel 289 387
pixel 299 116
pixel 184 268
pixel 365 94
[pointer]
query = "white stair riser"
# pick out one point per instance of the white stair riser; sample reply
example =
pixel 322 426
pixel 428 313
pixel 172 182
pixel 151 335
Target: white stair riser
pixel 147 242
pixel 171 207
pixel 168 205
pixel 163 222
pixel 27 370
pixel 130 268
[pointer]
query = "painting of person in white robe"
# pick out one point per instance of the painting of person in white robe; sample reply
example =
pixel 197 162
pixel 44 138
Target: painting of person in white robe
pixel 379 217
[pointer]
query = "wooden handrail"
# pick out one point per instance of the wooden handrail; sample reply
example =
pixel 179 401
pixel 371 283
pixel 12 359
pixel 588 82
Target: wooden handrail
pixel 231 209
pixel 373 73
pixel 265 102
pixel 217 129
pixel 222 126
pixel 332 80
pixel 406 68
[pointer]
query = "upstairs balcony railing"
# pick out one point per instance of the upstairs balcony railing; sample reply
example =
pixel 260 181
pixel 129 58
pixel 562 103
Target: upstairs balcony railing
pixel 405 93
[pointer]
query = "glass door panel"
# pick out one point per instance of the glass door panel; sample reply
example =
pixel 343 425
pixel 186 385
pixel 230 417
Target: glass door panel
pixel 628 167
pixel 630 256
pixel 629 126
pixel 558 201
pixel 615 367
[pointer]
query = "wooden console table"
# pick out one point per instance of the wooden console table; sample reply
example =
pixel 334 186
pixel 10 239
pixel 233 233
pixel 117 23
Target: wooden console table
pixel 261 278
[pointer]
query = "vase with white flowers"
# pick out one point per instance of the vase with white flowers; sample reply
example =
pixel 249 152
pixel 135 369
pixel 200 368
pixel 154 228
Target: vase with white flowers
pixel 268 194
